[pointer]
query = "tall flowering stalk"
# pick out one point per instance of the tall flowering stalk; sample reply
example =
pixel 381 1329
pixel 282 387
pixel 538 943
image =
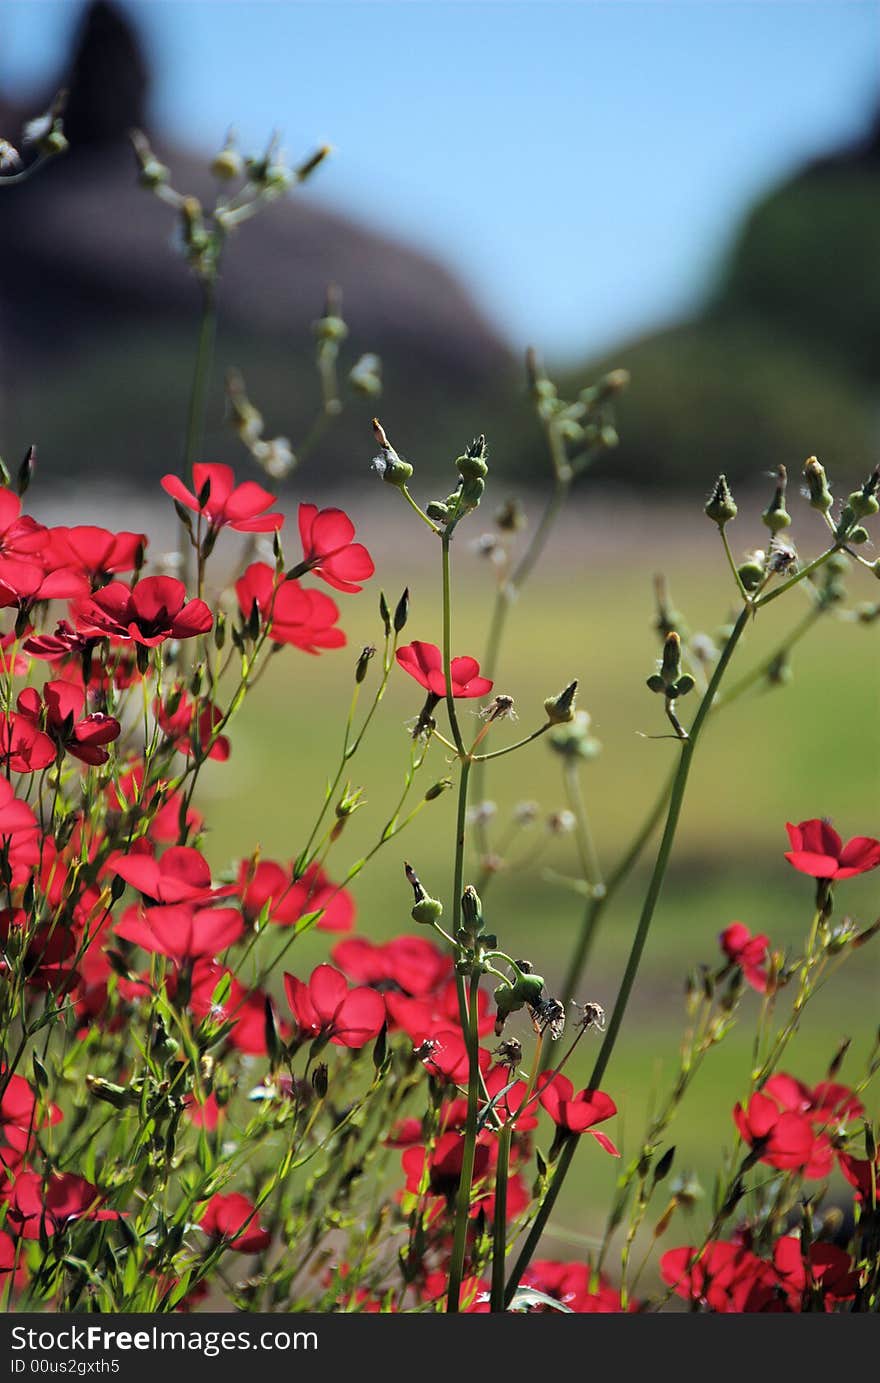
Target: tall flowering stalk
pixel 184 1106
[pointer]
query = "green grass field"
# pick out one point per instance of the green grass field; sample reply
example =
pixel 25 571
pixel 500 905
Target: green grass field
pixel 808 749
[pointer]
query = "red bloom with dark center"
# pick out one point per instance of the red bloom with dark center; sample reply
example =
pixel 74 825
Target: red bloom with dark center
pixel 24 748
pixel 786 1139
pixel 271 885
pixel 64 644
pixel 817 850
pixel 826 1267
pixel 180 930
pixel 233 1218
pixel 156 609
pixel 58 712
pixel 750 953
pixel 328 549
pixel 424 662
pixel 95 552
pixel 410 964
pixel 46 960
pixel 445 1164
pixel 423 1018
pixel 188 715
pixel 304 619
pixel 577 1113
pixel 244 1008
pixel 326 1007
pixel 180 875
pixel 21 1113
pixel 227 505
pixel 36 1207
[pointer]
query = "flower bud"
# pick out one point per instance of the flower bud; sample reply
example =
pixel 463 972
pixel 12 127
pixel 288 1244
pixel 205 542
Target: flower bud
pixel 363 663
pixel 227 165
pixel 472 910
pixel 384 613
pixel 670 669
pixel 528 987
pixel 437 511
pixel 817 484
pixel 438 789
pixel 26 469
pixel 574 741
pixel 320 1080
pixel 775 516
pixel 506 1000
pixel 560 708
pixel 720 506
pixel 401 612
pixel 858 535
pixel 864 502
pixel 388 465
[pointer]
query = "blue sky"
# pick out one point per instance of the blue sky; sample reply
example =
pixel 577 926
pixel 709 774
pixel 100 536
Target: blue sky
pixel 582 165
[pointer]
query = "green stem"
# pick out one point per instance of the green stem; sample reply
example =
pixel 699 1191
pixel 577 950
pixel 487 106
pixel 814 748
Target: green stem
pixel 499 1228
pixel 798 576
pixel 655 886
pixel 463 1201
pixel 447 646
pixel 597 905
pixel 204 357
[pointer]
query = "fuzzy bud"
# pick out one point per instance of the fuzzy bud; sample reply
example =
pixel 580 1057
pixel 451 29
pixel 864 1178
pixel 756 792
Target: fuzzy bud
pixel 720 507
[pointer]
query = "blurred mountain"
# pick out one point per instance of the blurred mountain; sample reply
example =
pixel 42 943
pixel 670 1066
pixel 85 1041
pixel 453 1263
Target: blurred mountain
pixel 99 313
pixel 783 360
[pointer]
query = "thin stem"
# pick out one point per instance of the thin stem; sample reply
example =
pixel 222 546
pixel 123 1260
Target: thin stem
pixel 447 646
pixel 499 753
pixel 463 1202
pixel 651 898
pixel 499 1227
pixel 798 576
pixel 732 564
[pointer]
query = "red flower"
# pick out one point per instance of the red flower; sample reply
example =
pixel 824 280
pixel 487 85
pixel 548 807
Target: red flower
pixel 181 875
pixel 726 1277
pixel 326 1007
pixel 226 505
pixel 155 609
pixel 95 552
pixel 37 1207
pixel 21 1114
pixel 305 619
pixel 827 1268
pixel 424 662
pixel 444 1054
pixel 271 886
pixel 17 819
pixel 188 715
pixel 24 583
pixel 57 712
pixel 233 1218
pixel 411 964
pixel 24 748
pixel 181 931
pixel 826 1103
pixel 445 1164
pixel 817 850
pixel 328 549
pixel 863 1175
pixel 786 1139
pixel 749 952
pixel 570 1284
pixel 577 1113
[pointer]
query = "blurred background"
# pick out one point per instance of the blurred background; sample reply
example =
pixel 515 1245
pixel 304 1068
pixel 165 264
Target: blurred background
pixel 688 191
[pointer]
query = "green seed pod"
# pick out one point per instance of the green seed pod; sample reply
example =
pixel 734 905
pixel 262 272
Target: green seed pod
pixel 858 535
pixel 720 506
pixel 560 709
pixel 775 516
pixel 751 574
pixel 427 911
pixel 507 1000
pixel 473 464
pixel 528 988
pixel 863 506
